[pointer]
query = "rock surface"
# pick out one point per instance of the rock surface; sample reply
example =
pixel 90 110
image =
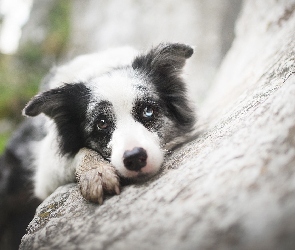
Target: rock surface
pixel 232 188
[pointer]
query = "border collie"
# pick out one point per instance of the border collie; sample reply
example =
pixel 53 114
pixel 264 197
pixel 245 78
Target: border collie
pixel 105 117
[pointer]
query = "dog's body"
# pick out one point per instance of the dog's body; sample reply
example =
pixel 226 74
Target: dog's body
pixel 126 107
pixel 129 109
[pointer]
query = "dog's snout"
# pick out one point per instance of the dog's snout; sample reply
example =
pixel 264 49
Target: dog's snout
pixel 135 159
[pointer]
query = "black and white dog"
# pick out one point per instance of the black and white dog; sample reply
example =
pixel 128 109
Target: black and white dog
pixel 129 108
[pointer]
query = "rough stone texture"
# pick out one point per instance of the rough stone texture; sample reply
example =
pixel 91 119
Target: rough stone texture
pixel 232 188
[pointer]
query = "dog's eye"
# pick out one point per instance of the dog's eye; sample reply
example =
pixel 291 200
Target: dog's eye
pixel 102 124
pixel 148 112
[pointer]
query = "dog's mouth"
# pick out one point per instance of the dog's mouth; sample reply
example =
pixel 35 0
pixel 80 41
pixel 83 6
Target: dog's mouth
pixel 139 178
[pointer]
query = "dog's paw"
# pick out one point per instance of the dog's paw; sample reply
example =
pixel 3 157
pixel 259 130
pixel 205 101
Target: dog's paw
pixel 95 176
pixel 94 184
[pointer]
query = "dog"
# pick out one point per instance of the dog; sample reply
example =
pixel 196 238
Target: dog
pixel 101 118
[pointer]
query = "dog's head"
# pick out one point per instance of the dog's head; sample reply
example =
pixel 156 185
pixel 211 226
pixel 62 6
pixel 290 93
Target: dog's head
pixel 128 115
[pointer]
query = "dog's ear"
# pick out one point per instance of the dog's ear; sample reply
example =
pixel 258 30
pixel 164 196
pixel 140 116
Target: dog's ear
pixel 166 58
pixel 162 66
pixel 67 106
pixel 56 101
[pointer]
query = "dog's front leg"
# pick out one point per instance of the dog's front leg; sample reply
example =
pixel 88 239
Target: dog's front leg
pixel 95 176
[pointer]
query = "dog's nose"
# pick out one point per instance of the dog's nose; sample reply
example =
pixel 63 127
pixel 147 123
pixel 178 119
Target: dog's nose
pixel 135 159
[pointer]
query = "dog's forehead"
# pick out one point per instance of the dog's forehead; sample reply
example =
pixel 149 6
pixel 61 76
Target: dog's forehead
pixel 120 88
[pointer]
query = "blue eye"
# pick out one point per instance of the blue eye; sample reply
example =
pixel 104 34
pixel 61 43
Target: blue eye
pixel 148 112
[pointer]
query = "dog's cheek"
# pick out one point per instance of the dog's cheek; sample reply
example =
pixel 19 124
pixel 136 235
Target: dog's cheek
pixel 167 130
pixel 99 144
pixel 118 146
pixel 154 161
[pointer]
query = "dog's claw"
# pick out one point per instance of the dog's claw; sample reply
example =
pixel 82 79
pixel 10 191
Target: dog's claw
pixel 117 190
pixel 95 176
pixel 100 200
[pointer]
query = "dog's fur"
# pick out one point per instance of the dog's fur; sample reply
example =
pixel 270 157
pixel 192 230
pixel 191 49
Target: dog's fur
pixel 129 108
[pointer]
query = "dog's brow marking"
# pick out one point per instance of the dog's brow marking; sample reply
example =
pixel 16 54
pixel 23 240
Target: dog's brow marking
pixel 117 88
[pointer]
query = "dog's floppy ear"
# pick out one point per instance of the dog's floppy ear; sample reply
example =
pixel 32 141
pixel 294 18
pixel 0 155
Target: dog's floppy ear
pixel 162 66
pixel 165 58
pixel 56 101
pixel 67 106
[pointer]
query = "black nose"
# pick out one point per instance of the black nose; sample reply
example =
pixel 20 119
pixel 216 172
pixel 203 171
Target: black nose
pixel 135 159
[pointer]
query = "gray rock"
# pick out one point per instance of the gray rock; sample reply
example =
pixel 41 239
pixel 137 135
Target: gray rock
pixel 232 188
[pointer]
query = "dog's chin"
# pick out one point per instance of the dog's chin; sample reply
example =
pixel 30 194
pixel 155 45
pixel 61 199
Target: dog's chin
pixel 138 178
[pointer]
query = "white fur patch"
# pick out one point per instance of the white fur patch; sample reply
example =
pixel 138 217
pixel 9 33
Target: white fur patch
pixel 117 88
pixel 53 170
pixel 84 67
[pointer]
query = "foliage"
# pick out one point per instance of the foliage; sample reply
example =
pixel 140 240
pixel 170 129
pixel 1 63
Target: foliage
pixel 3 139
pixel 21 74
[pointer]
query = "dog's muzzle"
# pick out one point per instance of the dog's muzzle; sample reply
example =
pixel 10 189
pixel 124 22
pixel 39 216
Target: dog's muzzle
pixel 135 159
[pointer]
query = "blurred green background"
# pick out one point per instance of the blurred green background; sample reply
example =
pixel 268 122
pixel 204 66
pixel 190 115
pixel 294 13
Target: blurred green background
pixel 22 72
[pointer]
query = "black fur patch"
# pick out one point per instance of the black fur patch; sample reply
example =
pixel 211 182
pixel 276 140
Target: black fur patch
pixel 97 138
pixel 162 66
pixel 67 107
pixel 153 123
